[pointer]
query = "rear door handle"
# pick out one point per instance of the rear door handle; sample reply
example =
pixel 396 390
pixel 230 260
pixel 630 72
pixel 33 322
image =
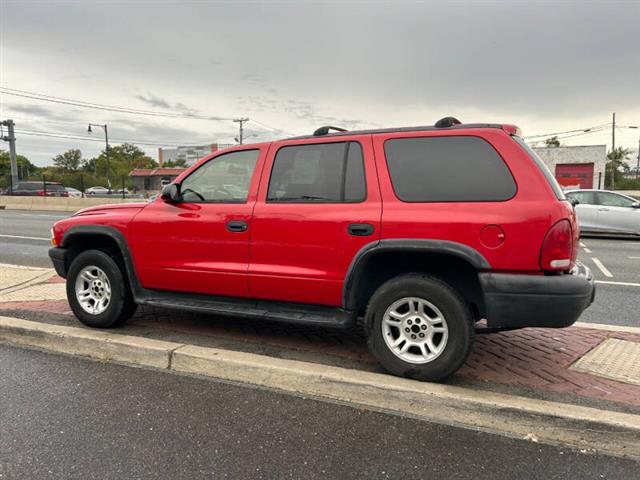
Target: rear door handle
pixel 360 229
pixel 237 226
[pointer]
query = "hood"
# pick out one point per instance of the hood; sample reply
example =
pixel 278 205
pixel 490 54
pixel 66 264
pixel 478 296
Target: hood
pixel 133 206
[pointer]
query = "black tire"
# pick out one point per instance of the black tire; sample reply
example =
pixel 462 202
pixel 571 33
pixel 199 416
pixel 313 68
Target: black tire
pixel 121 306
pixel 452 306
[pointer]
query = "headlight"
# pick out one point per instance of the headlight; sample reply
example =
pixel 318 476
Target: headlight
pixel 53 238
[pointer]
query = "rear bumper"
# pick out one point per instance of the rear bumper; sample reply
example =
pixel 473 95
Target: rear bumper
pixel 516 301
pixel 58 258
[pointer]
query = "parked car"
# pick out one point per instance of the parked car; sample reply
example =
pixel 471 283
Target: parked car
pixel 474 227
pixel 41 189
pixel 603 211
pixel 97 191
pixel 73 192
pixel 120 191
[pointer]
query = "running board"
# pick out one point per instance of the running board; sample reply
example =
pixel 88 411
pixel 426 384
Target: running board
pixel 299 313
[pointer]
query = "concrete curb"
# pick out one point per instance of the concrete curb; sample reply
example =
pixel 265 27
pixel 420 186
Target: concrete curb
pixel 552 422
pixel 97 344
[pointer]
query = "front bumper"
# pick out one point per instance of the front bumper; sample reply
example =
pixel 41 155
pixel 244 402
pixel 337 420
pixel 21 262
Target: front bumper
pixel 517 301
pixel 58 258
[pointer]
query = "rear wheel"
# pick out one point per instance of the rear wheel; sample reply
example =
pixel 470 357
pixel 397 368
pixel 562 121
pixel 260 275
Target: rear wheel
pixel 419 327
pixel 97 290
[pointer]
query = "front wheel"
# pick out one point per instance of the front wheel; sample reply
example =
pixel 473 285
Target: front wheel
pixel 419 327
pixel 97 291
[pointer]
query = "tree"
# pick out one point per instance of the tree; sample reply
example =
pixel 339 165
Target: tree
pixel 616 161
pixel 68 161
pixel 122 159
pixel 25 168
pixel 552 142
pixel 178 162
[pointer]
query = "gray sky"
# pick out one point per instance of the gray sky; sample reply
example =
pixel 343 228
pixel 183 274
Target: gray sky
pixel 294 66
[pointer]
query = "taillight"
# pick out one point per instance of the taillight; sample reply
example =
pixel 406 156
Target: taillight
pixel 41 193
pixel 557 249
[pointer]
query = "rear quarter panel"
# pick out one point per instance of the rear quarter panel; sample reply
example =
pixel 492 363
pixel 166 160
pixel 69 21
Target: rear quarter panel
pixel 525 218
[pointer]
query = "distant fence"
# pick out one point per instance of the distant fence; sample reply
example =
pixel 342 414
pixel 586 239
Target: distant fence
pixel 122 186
pixel 61 204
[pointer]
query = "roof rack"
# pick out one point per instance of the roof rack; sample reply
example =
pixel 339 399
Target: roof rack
pixel 325 130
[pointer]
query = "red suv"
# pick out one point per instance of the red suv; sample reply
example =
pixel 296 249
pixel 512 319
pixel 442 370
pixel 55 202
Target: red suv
pixel 423 232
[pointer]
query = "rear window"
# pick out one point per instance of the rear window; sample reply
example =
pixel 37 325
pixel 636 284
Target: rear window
pixel 447 169
pixel 55 187
pixel 551 180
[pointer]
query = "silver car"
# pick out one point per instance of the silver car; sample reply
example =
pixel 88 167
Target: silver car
pixel 602 211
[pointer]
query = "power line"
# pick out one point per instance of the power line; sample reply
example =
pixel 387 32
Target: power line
pixel 118 109
pixel 87 139
pixel 585 130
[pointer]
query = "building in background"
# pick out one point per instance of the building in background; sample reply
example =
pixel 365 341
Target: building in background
pixel 576 166
pixel 190 154
pixel 151 180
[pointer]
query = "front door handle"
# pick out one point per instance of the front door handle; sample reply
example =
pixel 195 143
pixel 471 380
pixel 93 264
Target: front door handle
pixel 237 226
pixel 360 229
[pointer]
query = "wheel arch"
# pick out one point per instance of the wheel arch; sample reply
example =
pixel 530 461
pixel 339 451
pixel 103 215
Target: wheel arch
pixel 377 262
pixel 80 238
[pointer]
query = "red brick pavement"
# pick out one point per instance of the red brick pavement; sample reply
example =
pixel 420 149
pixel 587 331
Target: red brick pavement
pixel 533 358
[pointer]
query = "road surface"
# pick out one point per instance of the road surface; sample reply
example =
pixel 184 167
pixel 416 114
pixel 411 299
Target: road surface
pixel 69 418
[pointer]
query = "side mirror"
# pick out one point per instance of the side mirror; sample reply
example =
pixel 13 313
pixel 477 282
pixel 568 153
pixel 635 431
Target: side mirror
pixel 574 201
pixel 171 193
pixel 635 205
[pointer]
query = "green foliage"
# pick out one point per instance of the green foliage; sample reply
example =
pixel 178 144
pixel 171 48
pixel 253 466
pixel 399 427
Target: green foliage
pixel 178 162
pixel 552 142
pixel 122 159
pixel 68 161
pixel 25 168
pixel 616 161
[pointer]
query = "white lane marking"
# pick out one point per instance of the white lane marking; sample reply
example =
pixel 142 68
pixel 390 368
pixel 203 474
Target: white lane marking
pixel 634 258
pixel 626 284
pixel 586 250
pixel 602 268
pixel 43 215
pixel 25 238
pixel 582 244
pixel 603 326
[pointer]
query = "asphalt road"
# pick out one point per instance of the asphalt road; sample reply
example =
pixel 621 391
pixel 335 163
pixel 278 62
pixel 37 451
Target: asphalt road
pixel 24 237
pixel 68 418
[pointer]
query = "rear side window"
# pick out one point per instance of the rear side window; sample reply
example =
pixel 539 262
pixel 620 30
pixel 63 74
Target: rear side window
pixel 55 187
pixel 551 180
pixel 447 169
pixel 322 173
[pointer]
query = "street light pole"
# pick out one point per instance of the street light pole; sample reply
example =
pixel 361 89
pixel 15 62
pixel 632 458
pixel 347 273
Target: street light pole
pixel 106 139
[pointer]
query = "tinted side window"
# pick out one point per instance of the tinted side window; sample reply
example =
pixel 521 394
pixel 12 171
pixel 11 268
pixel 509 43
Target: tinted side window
pixel 223 179
pixel 55 187
pixel 326 172
pixel 613 200
pixel 447 169
pixel 585 198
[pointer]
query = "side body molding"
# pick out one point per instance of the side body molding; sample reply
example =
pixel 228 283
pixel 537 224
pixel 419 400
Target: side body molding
pixel 475 258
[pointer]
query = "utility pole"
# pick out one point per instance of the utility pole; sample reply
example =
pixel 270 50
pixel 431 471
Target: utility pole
pixel 11 138
pixel 638 164
pixel 240 121
pixel 613 151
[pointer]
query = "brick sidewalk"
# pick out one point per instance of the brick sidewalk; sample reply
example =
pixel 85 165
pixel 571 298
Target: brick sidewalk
pixel 532 359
